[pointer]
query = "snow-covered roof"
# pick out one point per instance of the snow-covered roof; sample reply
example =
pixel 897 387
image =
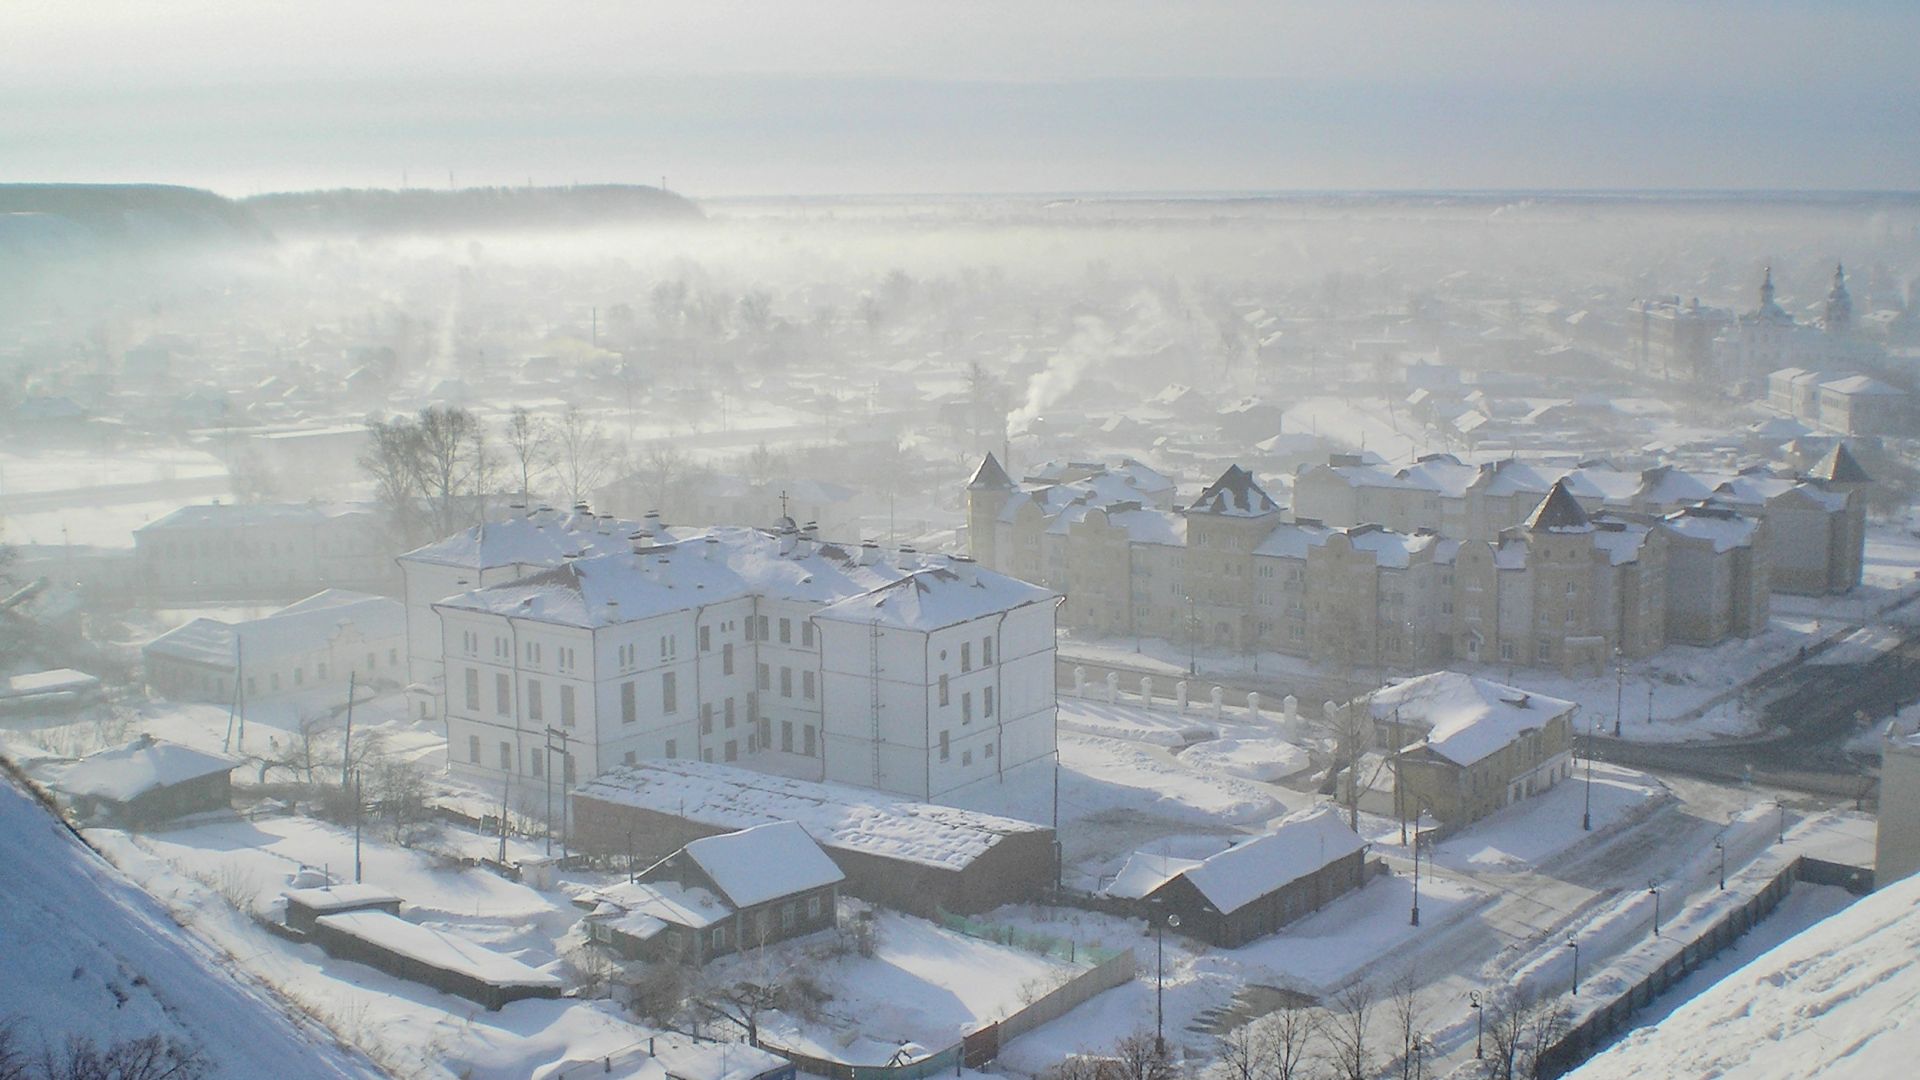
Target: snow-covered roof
pixel 300 627
pixel 764 862
pixel 643 904
pixel 125 773
pixel 836 816
pixel 244 515
pixel 1145 872
pixel 436 948
pixel 1723 527
pixel 1300 845
pixel 1235 494
pixel 56 681
pixel 1834 1001
pixel 1466 718
pixel 541 537
pixel 1862 385
pixel 932 599
pixel 340 897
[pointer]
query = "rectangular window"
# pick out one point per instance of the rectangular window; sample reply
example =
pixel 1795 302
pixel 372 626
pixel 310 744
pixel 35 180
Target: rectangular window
pixel 806 635
pixel 538 762
pixel 946 747
pixel 673 748
pixel 765 733
pixel 786 736
pixel 473 749
pixel 502 694
pixel 728 707
pixel 706 718
pixel 789 915
pixel 706 755
pixel 966 656
pixel 806 685
pixel 726 658
pixel 536 707
pixel 733 750
pixel 762 626
pixel 764 679
pixel 986 651
pixel 706 639
pixel 1544 649
pixel 786 682
pixel 566 706
pixel 628 758
pixel 629 705
pixel 473 689
pixel 786 631
pixel 986 703
pixel 669 694
pixel 943 690
pixel 813 906
pixel 806 740
pixel 966 758
pixel 966 706
pixel 506 756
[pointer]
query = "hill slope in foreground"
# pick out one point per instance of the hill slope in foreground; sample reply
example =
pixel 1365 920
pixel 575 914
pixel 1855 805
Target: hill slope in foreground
pixel 84 953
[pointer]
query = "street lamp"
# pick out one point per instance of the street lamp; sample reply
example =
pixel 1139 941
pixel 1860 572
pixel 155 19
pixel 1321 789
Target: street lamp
pixel 1586 815
pixel 1479 1019
pixel 1619 688
pixel 1193 638
pixel 1654 888
pixel 1160 927
pixel 1414 918
pixel 1721 847
pixel 1575 946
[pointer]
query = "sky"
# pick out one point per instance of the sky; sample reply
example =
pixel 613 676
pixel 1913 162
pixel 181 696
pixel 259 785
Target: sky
pixel 728 98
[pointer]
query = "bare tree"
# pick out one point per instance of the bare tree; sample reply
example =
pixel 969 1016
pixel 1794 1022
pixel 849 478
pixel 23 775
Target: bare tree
pixel 1519 1028
pixel 392 462
pixel 1138 1057
pixel 1409 1021
pixel 1344 1029
pixel 454 466
pixel 1349 729
pixel 761 464
pixel 1241 1053
pixel 582 454
pixel 149 1057
pixel 1286 1044
pixel 530 444
pixel 756 312
pixel 742 1004
pixel 661 469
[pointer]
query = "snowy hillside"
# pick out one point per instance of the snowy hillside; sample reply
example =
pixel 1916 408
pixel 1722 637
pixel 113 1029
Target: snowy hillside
pixel 87 954
pixel 1835 1002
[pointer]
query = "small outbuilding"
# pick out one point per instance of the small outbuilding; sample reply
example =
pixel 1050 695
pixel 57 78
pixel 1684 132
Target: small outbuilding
pixel 448 963
pixel 147 782
pixel 306 905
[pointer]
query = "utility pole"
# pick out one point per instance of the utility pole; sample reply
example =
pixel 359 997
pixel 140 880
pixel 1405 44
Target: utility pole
pixel 346 745
pixel 359 808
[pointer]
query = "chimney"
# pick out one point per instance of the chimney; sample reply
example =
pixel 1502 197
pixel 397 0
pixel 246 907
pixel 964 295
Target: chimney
pixel 869 553
pixel 710 550
pixel 613 611
pixel 964 568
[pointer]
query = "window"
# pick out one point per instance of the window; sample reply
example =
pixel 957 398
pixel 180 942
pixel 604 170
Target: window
pixel 806 685
pixel 986 651
pixel 786 631
pixel 668 646
pixel 761 628
pixel 749 628
pixel 473 749
pixel 733 750
pixel 706 718
pixel 988 751
pixel 786 682
pixel 719 938
pixel 563 655
pixel 673 748
pixel 1543 649
pixel 765 677
pixel 966 758
pixel 728 706
pixel 538 761
pixel 706 755
pixel 502 694
pixel 813 906
pixel 789 914
pixel 726 658
pixel 986 703
pixel 669 693
pixel 628 758
pixel 706 639
pixel 473 689
pixel 786 736
pixel 946 747
pixel 1506 650
pixel 566 706
pixel 469 642
pixel 765 732
pixel 943 690
pixel 629 707
pixel 966 656
pixel 966 706
pixel 806 635
pixel 506 756
pixel 806 740
pixel 536 707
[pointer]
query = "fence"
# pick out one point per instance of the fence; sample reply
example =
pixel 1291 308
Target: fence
pixel 1592 1030
pixel 1058 948
pixel 980 1047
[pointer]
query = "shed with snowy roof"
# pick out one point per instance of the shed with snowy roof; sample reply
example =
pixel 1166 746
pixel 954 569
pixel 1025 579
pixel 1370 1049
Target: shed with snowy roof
pixel 1464 747
pixel 147 782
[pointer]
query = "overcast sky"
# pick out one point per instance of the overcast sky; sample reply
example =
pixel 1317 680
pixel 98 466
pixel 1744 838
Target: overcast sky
pixel 851 96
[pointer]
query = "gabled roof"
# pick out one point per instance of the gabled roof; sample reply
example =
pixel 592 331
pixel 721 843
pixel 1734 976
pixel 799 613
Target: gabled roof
pixel 763 863
pixel 125 773
pixel 990 477
pixel 1466 718
pixel 1235 494
pixel 1300 845
pixel 1559 512
pixel 1839 467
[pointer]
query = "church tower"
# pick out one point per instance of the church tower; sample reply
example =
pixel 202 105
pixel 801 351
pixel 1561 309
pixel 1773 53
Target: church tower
pixel 1839 318
pixel 987 495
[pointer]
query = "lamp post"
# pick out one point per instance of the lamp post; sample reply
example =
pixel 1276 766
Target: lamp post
pixel 1654 888
pixel 1193 638
pixel 1619 688
pixel 1479 1020
pixel 1575 946
pixel 1414 918
pixel 1160 928
pixel 1586 815
pixel 1721 847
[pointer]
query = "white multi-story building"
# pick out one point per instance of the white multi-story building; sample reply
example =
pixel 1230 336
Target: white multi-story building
pixel 910 673
pixel 262 551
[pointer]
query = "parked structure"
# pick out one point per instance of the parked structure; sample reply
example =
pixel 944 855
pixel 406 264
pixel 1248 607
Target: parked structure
pixel 1255 887
pixel 719 895
pixel 147 782
pixel 1464 747
pixel 913 856
pixel 315 644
